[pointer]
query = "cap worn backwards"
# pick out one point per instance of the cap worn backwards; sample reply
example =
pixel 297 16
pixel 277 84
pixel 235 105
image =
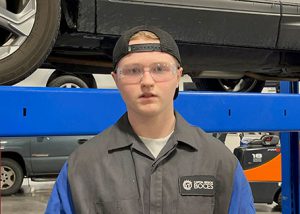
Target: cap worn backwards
pixel 167 44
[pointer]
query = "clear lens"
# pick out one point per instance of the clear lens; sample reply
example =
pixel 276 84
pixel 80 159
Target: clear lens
pixel 160 72
pixel 132 70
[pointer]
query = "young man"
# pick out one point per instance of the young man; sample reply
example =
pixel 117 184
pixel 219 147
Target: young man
pixel 151 160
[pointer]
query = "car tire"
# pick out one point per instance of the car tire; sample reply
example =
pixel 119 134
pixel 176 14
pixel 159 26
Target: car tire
pixel 250 85
pixel 35 47
pixel 11 176
pixel 279 200
pixel 89 80
pixel 68 81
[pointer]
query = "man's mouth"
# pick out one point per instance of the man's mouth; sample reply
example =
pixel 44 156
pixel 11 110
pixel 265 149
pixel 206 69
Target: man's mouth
pixel 147 95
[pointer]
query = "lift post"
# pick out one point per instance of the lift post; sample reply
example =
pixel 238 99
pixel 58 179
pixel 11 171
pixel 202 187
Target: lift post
pixel 57 111
pixel 290 151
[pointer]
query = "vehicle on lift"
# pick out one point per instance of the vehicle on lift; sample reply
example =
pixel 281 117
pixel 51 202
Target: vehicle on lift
pixel 33 157
pixel 226 45
pixel 261 161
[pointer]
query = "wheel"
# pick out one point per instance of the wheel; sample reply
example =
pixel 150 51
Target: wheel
pixel 279 200
pixel 245 84
pixel 11 176
pixel 89 80
pixel 68 81
pixel 28 30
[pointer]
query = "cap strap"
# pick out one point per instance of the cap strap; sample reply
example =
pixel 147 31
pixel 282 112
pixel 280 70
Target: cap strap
pixel 144 47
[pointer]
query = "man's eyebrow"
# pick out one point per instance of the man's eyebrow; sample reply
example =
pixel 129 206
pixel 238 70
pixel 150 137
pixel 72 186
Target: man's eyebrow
pixel 130 64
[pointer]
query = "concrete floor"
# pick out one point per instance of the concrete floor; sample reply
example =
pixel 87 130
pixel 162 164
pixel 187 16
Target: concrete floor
pixel 33 197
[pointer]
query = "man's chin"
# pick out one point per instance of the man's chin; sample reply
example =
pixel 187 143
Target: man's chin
pixel 148 110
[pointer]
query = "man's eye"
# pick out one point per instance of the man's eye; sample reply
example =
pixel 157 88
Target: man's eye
pixel 159 68
pixel 132 71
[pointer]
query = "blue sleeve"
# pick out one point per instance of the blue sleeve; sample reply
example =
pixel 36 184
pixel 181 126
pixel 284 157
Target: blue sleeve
pixel 60 201
pixel 241 199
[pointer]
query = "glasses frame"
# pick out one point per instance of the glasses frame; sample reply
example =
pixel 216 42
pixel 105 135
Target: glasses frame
pixel 174 70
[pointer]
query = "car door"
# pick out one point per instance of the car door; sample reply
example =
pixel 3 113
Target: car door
pixel 48 154
pixel 290 28
pixel 219 22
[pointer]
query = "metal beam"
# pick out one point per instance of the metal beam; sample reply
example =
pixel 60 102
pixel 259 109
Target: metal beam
pixel 56 111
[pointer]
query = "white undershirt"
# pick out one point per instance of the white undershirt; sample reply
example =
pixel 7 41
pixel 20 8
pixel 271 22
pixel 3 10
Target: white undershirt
pixel 155 145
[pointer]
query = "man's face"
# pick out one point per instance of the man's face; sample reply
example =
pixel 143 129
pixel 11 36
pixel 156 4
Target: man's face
pixel 147 96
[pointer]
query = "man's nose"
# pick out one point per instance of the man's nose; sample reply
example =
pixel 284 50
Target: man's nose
pixel 147 78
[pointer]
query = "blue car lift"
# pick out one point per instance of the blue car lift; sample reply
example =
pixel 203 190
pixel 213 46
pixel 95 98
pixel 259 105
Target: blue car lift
pixel 56 111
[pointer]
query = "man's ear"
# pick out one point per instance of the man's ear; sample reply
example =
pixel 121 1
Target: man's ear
pixel 179 73
pixel 114 75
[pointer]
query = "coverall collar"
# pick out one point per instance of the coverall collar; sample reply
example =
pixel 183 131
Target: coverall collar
pixel 125 132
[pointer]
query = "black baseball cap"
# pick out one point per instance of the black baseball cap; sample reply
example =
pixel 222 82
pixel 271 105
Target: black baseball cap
pixel 167 44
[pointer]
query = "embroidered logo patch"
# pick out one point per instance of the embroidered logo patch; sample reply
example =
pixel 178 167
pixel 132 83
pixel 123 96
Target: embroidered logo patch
pixel 197 185
pixel 187 184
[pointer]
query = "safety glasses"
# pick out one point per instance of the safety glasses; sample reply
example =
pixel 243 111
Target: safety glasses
pixel 160 72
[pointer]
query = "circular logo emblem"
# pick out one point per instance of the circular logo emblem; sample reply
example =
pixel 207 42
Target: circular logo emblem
pixel 187 184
